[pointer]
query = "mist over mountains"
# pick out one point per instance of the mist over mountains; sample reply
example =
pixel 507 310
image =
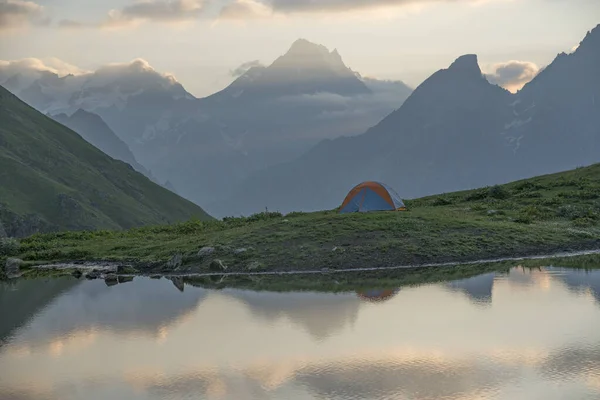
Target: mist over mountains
pixel 456 131
pixel 299 133
pixel 206 147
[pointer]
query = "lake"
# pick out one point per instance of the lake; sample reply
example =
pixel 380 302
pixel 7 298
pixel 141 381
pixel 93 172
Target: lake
pixel 522 334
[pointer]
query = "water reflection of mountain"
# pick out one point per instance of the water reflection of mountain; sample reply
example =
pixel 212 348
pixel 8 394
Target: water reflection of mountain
pixel 321 314
pixel 578 280
pixel 477 288
pixel 22 299
pixel 144 307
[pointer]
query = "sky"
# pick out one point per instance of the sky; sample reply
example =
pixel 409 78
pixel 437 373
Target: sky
pixel 201 42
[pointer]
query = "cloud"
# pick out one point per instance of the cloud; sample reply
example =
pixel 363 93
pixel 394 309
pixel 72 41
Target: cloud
pixel 245 9
pixel 157 10
pixel 166 11
pixel 512 75
pixel 242 69
pixel 72 24
pixel 20 13
pixel 54 65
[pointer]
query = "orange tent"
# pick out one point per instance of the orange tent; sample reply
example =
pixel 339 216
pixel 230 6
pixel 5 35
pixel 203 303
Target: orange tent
pixel 372 196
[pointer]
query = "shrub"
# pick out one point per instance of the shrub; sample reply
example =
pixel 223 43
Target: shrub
pixel 529 195
pixel 550 202
pixel 478 194
pixel 441 201
pixel 574 212
pixel 583 222
pixel 9 247
pixel 524 218
pixel 498 192
pixel 264 216
pixel 527 186
pixel 295 214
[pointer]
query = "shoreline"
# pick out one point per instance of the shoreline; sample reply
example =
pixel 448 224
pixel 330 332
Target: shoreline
pixel 102 269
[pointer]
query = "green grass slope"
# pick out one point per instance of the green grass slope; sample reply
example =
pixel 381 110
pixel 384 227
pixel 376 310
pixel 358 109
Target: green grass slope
pixel 52 179
pixel 536 216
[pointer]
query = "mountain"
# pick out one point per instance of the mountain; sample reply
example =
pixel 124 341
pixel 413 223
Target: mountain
pixel 455 131
pixel 93 129
pixel 53 179
pixel 268 115
pixel 206 147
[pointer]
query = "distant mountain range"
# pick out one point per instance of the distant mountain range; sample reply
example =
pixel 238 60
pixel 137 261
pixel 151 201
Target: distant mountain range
pixel 52 179
pixel 299 133
pixel 456 131
pixel 205 147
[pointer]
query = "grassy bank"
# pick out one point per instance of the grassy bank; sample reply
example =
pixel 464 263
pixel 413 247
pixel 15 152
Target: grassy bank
pixel 545 214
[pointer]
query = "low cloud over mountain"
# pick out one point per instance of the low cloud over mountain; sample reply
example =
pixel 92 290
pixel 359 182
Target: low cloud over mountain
pixel 512 75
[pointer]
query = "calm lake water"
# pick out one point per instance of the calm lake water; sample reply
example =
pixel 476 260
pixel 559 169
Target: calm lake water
pixel 527 334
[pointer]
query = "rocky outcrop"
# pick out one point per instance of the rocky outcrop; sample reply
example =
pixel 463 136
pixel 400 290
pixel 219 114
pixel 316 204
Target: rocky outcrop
pixel 205 252
pixel 218 266
pixel 12 267
pixel 175 261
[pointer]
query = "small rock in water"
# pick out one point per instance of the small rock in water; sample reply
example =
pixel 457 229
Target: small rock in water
pixel 125 279
pixel 254 265
pixel 206 251
pixel 111 280
pixel 92 275
pixel 217 265
pixel 12 267
pixel 76 274
pixel 175 261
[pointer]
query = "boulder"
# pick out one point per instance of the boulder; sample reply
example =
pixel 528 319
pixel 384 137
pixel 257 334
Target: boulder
pixel 76 274
pixel 254 266
pixel 217 265
pixel 175 261
pixel 155 276
pixel 206 251
pixel 12 267
pixel 125 279
pixel 92 275
pixel 111 279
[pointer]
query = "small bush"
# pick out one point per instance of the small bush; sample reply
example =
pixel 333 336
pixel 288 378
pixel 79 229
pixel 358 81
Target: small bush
pixel 524 218
pixel 550 202
pixel 264 216
pixel 295 214
pixel 9 247
pixel 529 195
pixel 478 194
pixel 574 212
pixel 498 192
pixel 527 186
pixel 441 201
pixel 583 222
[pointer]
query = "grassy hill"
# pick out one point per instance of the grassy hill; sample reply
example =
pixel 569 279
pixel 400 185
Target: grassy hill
pixel 52 179
pixel 536 216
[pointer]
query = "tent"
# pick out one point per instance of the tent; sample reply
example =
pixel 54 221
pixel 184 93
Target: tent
pixel 371 196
